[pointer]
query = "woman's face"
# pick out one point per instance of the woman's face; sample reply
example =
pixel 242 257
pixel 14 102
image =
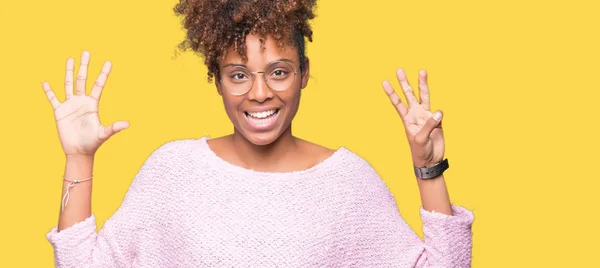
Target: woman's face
pixel 262 114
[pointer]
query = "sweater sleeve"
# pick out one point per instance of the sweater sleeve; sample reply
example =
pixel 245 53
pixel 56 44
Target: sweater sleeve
pixel 448 239
pixel 115 245
pixel 380 237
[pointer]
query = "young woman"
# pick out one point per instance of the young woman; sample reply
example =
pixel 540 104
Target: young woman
pixel 259 197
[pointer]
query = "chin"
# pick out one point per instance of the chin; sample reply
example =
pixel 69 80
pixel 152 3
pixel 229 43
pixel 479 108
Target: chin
pixel 261 139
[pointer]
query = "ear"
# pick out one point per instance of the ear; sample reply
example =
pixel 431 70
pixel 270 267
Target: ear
pixel 218 85
pixel 305 73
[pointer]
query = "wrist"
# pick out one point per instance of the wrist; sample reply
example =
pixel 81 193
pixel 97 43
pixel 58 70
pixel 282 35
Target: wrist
pixel 78 167
pixel 431 171
pixel 79 157
pixel 430 180
pixel 426 164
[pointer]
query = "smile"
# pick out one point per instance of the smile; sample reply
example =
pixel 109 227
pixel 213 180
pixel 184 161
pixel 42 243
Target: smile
pixel 262 115
pixel 262 120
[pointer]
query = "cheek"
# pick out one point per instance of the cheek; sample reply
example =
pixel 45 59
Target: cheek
pixel 231 107
pixel 293 103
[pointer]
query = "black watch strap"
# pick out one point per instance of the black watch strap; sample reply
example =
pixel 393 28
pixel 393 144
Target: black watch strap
pixel 432 172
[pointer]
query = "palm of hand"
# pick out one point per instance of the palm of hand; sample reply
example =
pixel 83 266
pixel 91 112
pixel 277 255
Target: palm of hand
pixel 424 133
pixel 433 148
pixel 415 119
pixel 78 123
pixel 79 128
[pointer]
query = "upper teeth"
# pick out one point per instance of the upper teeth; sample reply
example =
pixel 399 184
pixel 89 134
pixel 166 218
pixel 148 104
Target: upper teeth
pixel 262 114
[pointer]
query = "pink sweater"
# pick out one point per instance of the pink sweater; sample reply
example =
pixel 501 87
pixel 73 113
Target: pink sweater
pixel 187 207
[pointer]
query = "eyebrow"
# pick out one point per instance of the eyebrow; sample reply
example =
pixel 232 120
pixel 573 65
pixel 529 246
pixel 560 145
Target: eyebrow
pixel 243 65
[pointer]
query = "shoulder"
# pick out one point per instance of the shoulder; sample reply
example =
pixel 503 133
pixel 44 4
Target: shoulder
pixel 354 163
pixel 175 149
pixel 170 157
pixel 167 169
pixel 173 146
pixel 347 167
pixel 340 160
pixel 366 184
pixel 359 173
pixel 312 154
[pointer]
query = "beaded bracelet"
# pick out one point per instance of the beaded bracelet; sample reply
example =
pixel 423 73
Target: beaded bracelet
pixel 71 184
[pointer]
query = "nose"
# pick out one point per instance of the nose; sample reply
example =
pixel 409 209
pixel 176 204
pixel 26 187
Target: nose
pixel 260 92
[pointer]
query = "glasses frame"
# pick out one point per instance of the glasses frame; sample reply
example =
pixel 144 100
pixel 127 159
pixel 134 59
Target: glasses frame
pixel 253 75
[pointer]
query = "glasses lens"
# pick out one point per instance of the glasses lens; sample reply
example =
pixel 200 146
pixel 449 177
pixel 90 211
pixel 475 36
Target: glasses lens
pixel 236 79
pixel 279 75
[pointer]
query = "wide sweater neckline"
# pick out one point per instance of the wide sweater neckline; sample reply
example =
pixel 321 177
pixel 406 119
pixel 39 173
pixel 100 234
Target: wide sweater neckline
pixel 226 166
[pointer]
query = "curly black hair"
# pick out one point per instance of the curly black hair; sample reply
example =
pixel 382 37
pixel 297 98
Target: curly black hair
pixel 213 26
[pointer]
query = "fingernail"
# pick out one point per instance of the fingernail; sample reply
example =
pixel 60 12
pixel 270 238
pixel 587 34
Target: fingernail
pixel 437 115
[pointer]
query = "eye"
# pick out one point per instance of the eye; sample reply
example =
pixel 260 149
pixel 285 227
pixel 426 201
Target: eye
pixel 279 73
pixel 238 76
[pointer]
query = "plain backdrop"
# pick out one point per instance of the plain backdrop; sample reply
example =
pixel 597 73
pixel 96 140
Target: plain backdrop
pixel 517 82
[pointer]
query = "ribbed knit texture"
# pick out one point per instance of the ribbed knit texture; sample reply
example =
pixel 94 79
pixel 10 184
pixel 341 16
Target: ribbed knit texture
pixel 186 207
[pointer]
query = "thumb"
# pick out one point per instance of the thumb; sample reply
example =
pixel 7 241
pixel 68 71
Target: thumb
pixel 423 135
pixel 108 131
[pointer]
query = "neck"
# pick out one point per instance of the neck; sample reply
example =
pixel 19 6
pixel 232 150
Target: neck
pixel 264 157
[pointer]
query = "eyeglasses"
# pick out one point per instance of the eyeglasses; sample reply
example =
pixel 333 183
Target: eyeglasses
pixel 278 75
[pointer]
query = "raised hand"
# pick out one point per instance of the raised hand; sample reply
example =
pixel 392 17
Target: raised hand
pixel 423 128
pixel 79 128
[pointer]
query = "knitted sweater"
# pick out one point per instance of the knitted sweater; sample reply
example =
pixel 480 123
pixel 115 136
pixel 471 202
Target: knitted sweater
pixel 186 207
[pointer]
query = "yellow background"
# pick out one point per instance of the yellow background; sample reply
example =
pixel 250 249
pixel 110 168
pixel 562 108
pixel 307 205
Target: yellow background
pixel 517 81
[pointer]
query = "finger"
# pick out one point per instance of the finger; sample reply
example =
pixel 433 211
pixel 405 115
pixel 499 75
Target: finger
pixel 69 78
pixel 108 131
pixel 398 104
pixel 406 88
pixel 82 74
pixel 101 81
pixel 50 94
pixel 423 135
pixel 424 90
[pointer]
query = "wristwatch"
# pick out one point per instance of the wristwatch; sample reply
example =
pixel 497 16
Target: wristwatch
pixel 432 172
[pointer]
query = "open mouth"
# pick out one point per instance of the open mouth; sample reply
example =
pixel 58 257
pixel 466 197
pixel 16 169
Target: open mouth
pixel 263 119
